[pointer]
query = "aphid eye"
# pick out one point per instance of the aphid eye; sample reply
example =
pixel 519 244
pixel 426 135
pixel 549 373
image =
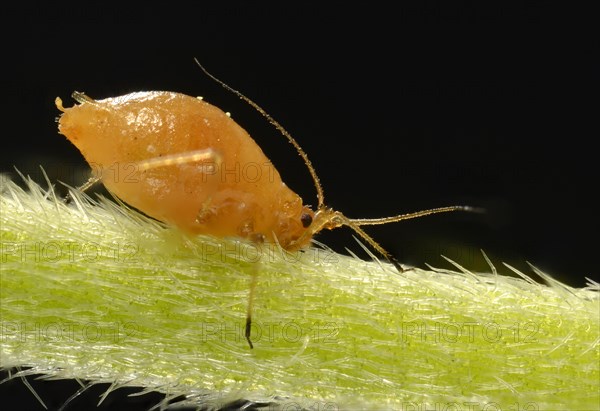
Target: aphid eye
pixel 306 220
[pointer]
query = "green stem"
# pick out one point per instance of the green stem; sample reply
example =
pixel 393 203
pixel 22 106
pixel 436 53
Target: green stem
pixel 97 292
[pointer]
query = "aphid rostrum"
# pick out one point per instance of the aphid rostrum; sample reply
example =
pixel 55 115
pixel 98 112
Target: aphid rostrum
pixel 180 160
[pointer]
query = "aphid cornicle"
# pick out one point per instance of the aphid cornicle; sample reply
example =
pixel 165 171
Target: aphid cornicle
pixel 187 163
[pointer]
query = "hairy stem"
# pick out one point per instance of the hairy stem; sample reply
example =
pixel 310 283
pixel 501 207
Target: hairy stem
pixel 95 291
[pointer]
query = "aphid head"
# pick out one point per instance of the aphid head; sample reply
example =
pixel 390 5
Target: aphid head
pixel 294 227
pixel 313 222
pixel 327 218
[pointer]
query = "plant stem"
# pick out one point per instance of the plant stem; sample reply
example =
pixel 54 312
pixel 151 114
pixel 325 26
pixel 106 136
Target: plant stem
pixel 95 291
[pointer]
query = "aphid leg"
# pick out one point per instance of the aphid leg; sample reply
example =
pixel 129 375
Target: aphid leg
pixel 374 244
pixel 210 156
pixel 89 183
pixel 396 264
pixel 253 282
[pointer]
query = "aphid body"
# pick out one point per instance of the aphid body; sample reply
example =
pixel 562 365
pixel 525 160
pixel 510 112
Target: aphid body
pixel 184 161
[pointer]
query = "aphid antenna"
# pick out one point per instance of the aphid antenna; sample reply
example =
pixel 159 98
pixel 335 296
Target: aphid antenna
pixel 401 217
pixel 355 223
pixel 279 127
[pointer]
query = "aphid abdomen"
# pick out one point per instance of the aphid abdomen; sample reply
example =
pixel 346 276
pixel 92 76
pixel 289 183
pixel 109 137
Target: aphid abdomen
pixel 184 162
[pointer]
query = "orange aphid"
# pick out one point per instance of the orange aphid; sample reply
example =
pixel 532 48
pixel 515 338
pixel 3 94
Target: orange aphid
pixel 185 162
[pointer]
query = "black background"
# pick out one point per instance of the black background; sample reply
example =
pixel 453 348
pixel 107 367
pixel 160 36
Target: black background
pixel 399 109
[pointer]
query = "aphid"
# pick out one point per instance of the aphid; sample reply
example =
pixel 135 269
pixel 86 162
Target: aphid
pixel 187 163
